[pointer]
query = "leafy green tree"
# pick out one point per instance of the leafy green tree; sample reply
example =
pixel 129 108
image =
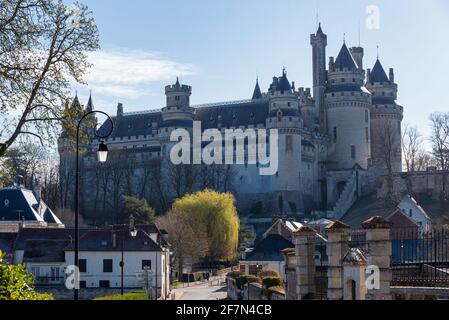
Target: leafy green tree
pixel 217 213
pixel 139 209
pixel 16 283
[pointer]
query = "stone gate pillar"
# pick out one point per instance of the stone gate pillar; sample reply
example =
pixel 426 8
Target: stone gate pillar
pixel 336 248
pixel 379 251
pixel 305 244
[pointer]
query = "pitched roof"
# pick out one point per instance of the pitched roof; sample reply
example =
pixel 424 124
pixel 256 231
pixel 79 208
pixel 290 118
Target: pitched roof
pixel 270 249
pixel 257 92
pixel 17 203
pixel 45 251
pixel 103 240
pixel 378 73
pixel 345 59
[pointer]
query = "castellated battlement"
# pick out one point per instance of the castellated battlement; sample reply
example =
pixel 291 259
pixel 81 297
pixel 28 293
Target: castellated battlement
pixel 178 88
pixel 387 111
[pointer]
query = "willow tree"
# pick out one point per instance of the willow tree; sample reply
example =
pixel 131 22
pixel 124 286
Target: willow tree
pixel 43 50
pixel 217 214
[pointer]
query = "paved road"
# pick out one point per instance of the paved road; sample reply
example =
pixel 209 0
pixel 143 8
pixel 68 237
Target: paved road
pixel 202 292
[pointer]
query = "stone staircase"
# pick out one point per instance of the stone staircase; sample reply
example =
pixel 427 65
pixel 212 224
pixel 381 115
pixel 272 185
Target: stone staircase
pixel 347 197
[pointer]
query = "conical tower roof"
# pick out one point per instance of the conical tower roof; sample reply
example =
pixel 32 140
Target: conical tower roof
pixel 257 92
pixel 345 59
pixel 378 73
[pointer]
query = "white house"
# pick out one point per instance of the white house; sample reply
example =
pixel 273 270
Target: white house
pixel 416 213
pixel 46 253
pixel 101 255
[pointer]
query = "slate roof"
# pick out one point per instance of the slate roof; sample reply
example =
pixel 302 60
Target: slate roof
pixel 283 83
pixel 45 251
pixel 378 73
pixel 44 235
pixel 270 249
pixel 257 92
pixel 230 114
pixel 17 204
pixel 345 59
pixel 346 88
pixel 102 240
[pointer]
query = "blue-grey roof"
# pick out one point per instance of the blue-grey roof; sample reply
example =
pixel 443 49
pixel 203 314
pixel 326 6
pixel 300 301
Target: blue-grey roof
pixel 345 59
pixel 378 74
pixel 230 114
pixel 283 84
pixel 17 204
pixel 383 100
pixel 345 88
pixel 102 240
pixel 257 92
pixel 270 249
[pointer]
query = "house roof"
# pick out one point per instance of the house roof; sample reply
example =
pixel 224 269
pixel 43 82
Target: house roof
pixel 44 234
pixel 270 249
pixel 45 251
pixel 412 200
pixel 17 204
pixel 103 240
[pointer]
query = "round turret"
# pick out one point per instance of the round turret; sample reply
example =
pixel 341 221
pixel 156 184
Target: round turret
pixel 386 118
pixel 348 119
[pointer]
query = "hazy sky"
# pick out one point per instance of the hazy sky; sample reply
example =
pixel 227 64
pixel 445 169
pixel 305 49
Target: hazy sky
pixel 219 47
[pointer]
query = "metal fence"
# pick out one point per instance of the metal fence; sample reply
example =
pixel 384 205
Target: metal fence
pixel 420 259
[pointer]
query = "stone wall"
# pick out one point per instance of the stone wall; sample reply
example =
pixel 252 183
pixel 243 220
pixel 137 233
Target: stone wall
pixel 430 182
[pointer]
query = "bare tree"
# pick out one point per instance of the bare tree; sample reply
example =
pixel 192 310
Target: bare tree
pixel 188 239
pixel 440 144
pixel 43 47
pixel 389 136
pixel 412 147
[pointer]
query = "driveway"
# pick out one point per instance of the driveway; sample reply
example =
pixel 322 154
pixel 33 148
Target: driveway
pixel 202 292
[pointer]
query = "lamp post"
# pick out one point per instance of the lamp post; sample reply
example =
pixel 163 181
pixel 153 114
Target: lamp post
pixel 133 234
pixel 102 155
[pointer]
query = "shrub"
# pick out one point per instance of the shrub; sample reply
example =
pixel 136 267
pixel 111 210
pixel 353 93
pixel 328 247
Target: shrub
pixel 269 282
pixel 277 289
pixel 270 273
pixel 234 274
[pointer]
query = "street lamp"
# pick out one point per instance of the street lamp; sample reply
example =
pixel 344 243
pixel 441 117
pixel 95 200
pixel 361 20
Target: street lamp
pixel 133 234
pixel 102 155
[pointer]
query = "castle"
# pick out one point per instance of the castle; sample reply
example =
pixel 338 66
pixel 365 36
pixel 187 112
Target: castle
pixel 333 139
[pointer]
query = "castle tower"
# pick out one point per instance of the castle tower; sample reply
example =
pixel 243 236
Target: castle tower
pixel 386 119
pixel 178 108
pixel 347 107
pixel 284 116
pixel 319 43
